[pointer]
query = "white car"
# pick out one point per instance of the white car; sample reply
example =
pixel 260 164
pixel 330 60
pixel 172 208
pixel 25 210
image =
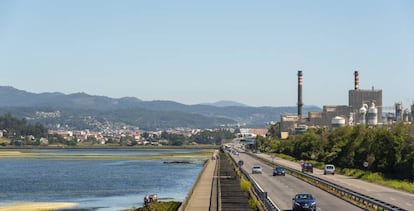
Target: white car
pixel 256 169
pixel 329 169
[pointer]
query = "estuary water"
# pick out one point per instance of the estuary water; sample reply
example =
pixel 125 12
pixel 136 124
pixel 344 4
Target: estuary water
pixel 97 184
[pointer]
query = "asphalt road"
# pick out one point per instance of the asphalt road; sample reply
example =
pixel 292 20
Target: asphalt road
pixel 281 189
pixel 401 199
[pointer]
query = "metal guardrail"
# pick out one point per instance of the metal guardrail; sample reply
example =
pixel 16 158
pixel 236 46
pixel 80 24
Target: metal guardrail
pixel 267 202
pixel 340 191
pixel 262 195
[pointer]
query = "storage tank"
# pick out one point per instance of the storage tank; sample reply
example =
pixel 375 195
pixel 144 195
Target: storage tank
pixel 372 115
pixel 338 122
pixel 390 118
pixel 301 129
pixel 362 113
pixel 351 119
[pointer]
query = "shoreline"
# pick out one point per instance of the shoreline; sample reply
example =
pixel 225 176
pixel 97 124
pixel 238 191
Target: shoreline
pixel 37 206
pixel 203 154
pixel 108 147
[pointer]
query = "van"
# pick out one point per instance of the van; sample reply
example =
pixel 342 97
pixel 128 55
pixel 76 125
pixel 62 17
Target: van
pixel 329 169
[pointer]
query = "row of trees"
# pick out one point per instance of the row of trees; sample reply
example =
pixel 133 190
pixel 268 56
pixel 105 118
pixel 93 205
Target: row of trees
pixel 212 137
pixel 16 128
pixel 204 137
pixel 20 132
pixel 386 150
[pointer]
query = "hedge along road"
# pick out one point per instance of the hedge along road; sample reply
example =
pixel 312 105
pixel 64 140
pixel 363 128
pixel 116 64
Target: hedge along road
pixel 281 189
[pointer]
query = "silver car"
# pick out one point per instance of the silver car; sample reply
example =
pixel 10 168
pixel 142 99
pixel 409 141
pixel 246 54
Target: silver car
pixel 256 169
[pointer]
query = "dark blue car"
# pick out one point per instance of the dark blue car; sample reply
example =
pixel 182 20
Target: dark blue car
pixel 303 201
pixel 279 171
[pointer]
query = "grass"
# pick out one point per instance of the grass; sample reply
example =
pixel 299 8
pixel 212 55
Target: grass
pixel 378 178
pixel 159 206
pixel 285 157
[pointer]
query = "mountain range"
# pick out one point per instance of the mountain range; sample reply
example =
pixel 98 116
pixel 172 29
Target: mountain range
pixel 83 111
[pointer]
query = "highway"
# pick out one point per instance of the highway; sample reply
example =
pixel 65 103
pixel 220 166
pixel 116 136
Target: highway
pixel 281 189
pixel 399 198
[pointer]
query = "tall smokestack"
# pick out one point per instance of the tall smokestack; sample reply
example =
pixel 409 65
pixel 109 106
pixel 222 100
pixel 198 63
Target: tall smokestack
pixel 356 80
pixel 300 102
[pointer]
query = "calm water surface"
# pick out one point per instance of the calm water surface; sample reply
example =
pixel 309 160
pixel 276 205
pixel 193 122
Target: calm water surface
pixel 96 184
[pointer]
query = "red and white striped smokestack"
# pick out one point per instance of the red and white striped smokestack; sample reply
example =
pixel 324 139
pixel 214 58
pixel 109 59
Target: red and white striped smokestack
pixel 356 80
pixel 300 102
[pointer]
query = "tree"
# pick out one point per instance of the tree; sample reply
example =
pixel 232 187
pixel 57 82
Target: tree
pixel 308 146
pixel 175 139
pixel 339 148
pixel 387 151
pixel 274 130
pixel 14 128
pixel 145 135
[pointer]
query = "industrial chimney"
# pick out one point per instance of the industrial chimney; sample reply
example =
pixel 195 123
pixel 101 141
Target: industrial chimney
pixel 300 102
pixel 356 80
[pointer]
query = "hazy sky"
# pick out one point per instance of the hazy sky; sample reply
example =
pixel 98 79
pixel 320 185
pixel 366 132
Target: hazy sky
pixel 205 51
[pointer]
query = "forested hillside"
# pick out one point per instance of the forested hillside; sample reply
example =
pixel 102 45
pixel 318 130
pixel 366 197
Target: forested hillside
pixel 82 111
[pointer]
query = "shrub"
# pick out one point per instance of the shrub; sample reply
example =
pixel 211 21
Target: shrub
pixel 245 185
pixel 254 204
pixel 373 177
pixel 355 173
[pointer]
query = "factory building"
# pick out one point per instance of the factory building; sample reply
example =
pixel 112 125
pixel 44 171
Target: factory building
pixel 288 123
pixel 328 113
pixel 358 98
pixel 365 107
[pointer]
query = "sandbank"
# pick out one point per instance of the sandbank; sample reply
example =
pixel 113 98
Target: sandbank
pixel 37 206
pixel 57 156
pixel 8 153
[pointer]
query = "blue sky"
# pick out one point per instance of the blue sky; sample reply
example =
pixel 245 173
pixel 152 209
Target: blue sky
pixel 205 51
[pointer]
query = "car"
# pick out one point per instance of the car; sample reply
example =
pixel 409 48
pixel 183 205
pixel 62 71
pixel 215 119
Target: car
pixel 329 169
pixel 307 167
pixel 256 169
pixel 279 171
pixel 303 201
pixel 235 152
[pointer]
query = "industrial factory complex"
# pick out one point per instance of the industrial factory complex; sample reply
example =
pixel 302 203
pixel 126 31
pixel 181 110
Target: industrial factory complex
pixel 364 108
